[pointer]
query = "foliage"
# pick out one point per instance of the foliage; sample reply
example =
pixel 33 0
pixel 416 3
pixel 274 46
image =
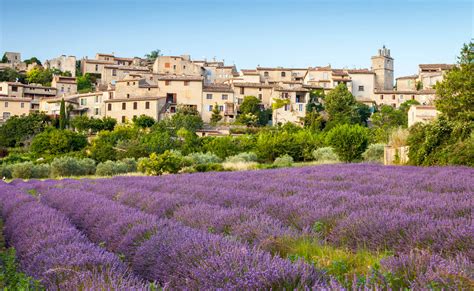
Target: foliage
pixel 348 141
pixel 385 120
pixel 405 106
pixel 398 137
pixel 185 117
pixel 250 112
pixel 130 148
pixel 104 146
pixel 144 121
pixel 315 102
pixel 216 114
pixel 28 170
pixel 10 276
pixel 5 171
pixel 153 55
pixel 242 158
pixel 188 141
pixel 279 103
pixel 111 168
pixel 168 162
pixel 11 75
pixel 222 147
pixel 16 131
pixel 203 158
pixel 32 60
pixel 55 142
pixel 69 166
pixel 159 140
pixel 374 153
pixel 83 123
pixel 4 59
pixel 325 155
pixel 40 75
pixel 455 95
pixel 85 83
pixel 342 108
pixel 283 161
pixel 314 121
pixel 209 167
pixel 62 115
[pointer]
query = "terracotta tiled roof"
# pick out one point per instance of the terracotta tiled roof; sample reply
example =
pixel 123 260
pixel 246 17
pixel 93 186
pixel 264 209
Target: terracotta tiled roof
pixel 217 88
pixel 279 69
pixel 131 99
pixel 419 92
pixel 360 71
pixel 92 61
pixel 179 78
pixel 253 85
pixel 407 77
pixel 436 66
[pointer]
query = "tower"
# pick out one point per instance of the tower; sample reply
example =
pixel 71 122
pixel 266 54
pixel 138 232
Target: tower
pixel 382 66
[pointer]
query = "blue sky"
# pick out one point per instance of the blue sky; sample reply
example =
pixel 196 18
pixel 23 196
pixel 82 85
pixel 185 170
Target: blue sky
pixel 248 33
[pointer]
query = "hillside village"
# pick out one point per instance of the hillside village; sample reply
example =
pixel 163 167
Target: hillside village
pixel 124 88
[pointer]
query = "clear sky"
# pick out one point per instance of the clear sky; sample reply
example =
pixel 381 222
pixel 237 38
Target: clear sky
pixel 248 33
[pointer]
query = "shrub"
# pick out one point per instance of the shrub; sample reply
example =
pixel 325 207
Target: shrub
pixel 223 147
pixel 111 168
pixel 398 137
pixel 69 166
pixel 54 141
pixel 348 141
pixel 203 158
pixel 168 162
pixel 210 167
pixel 6 171
pixel 242 158
pixel 374 153
pixel 240 166
pixel 28 170
pixel 325 155
pixel 283 161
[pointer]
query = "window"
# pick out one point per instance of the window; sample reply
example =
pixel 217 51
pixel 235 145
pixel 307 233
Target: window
pixel 69 89
pixel 128 83
pixel 210 108
pixel 208 96
pixel 96 99
pixel 242 90
pixel 283 74
pixel 83 101
pixel 147 105
pixel 167 65
pixel 260 97
pixel 62 89
pixel 128 95
pixel 111 95
pixel 186 83
pixel 393 97
pixel 221 107
pixel 381 97
pixel 96 68
pixel 412 97
pixel 123 119
pixel 225 97
pixel 114 72
pixel 135 105
pixel 6 115
pixel 6 104
pixel 300 107
pixel 394 105
pixel 96 111
pixel 184 67
pixel 149 89
pixel 109 107
pixel 259 89
pixel 265 74
pixel 22 105
pixel 287 107
pixel 14 88
pixel 167 83
pixel 361 88
pixel 174 67
pixel 124 106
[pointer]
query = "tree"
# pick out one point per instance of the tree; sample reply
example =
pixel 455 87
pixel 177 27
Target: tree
pixel 405 106
pixel 339 104
pixel 16 131
pixel 32 60
pixel 4 59
pixel 144 121
pixel 455 94
pixel 249 111
pixel 54 141
pixel 62 115
pixel 313 120
pixel 386 119
pixel 10 75
pixel 187 117
pixel 153 55
pixel 168 162
pixel 84 83
pixel 316 97
pixel 216 114
pixel 348 141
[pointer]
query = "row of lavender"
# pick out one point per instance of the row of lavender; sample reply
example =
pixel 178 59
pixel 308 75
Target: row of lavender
pixel 356 206
pixel 353 205
pixel 51 250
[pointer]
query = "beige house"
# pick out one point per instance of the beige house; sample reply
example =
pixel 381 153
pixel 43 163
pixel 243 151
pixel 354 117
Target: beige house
pixel 420 113
pixel 274 75
pixel 180 91
pixel 396 97
pixel 177 65
pixel 220 95
pixel 113 73
pixel 219 74
pixel 262 91
pixel 430 74
pixel 96 66
pixel 90 104
pixel 33 92
pixel 363 84
pixel 13 57
pixel 246 76
pixel 13 106
pixel 64 85
pixel 407 83
pixel 62 63
pixel 295 110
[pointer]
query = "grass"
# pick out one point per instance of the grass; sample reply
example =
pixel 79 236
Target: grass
pixel 343 264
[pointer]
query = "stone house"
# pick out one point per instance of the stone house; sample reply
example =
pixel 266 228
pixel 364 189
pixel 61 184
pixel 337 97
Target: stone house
pixel 62 63
pixel 421 113
pixel 64 85
pixel 221 95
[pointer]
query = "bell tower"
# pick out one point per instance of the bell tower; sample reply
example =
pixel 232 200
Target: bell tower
pixel 382 66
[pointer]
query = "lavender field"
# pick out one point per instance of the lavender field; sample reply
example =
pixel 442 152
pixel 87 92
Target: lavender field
pixel 333 226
